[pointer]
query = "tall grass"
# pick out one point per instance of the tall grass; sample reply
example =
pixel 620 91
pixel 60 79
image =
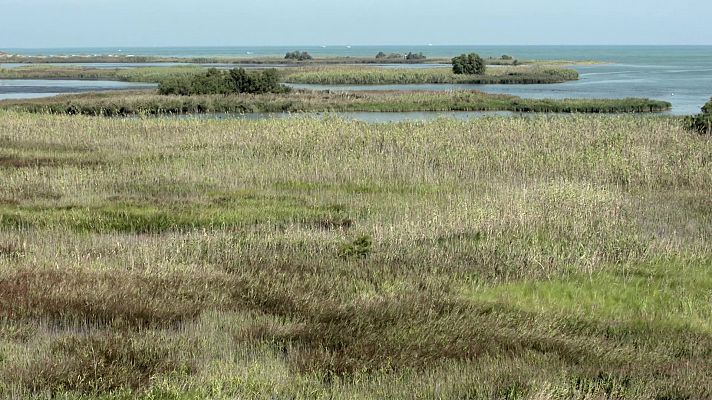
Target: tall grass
pixel 514 258
pixel 150 103
pixel 526 74
pixel 143 74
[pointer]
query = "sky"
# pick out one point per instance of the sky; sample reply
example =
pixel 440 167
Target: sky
pixel 147 23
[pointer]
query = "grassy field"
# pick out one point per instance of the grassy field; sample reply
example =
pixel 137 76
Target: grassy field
pixel 523 74
pixel 122 103
pixel 517 258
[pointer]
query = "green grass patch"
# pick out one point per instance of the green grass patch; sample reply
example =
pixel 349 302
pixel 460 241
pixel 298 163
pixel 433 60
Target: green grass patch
pixel 672 292
pixel 225 213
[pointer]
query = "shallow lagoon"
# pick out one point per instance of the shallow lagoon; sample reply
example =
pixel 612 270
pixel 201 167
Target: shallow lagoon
pixel 687 88
pixel 36 88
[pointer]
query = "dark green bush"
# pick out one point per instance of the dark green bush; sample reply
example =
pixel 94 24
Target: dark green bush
pixel 507 57
pixel 224 82
pixel 415 56
pixel 470 64
pixel 702 123
pixel 298 56
pixel 381 55
pixel 707 108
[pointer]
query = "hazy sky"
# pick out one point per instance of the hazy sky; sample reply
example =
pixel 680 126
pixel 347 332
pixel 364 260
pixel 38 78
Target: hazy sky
pixel 85 23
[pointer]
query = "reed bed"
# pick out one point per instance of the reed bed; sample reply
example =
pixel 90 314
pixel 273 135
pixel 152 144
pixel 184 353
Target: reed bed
pixel 142 74
pixel 519 258
pixel 524 74
pixel 125 103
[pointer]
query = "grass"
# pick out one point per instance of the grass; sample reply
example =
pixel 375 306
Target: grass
pixel 327 75
pixel 150 103
pixel 525 74
pixel 519 258
pixel 143 74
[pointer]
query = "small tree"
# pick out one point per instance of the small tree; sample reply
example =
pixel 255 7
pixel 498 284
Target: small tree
pixel 470 64
pixel 381 55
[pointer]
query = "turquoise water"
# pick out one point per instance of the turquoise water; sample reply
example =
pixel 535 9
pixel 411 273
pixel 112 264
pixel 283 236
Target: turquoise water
pixel 686 86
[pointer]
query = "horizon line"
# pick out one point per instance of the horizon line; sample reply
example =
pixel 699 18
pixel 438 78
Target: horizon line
pixel 358 45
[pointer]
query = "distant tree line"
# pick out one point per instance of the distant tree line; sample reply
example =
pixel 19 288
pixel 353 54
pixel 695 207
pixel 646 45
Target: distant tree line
pixel 298 56
pixel 469 64
pixel 702 123
pixel 215 81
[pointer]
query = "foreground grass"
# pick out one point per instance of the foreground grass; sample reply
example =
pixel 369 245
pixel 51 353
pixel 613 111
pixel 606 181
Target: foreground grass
pixel 524 74
pixel 122 103
pixel 521 258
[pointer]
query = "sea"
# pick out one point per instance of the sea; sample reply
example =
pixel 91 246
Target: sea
pixel 681 75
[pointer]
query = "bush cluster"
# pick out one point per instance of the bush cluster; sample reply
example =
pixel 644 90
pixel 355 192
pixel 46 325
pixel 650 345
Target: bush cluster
pixel 298 55
pixel 415 56
pixel 702 123
pixel 215 81
pixel 392 56
pixel 470 64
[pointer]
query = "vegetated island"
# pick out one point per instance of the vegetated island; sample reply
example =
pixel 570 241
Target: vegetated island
pixel 197 90
pixel 148 102
pixel 336 75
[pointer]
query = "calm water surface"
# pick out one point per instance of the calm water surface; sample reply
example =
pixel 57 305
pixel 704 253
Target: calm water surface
pixel 36 88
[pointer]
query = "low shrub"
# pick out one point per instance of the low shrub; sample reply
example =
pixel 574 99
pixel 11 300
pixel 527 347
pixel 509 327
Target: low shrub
pixel 701 123
pixel 298 56
pixel 415 56
pixel 215 81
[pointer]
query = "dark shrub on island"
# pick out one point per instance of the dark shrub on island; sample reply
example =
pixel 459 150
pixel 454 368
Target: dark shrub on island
pixel 215 81
pixel 415 56
pixel 298 55
pixel 469 64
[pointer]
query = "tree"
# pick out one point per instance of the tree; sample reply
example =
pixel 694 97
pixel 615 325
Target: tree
pixel 469 64
pixel 381 55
